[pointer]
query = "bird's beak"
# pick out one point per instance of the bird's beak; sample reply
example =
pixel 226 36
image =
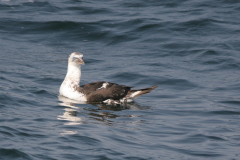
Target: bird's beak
pixel 80 60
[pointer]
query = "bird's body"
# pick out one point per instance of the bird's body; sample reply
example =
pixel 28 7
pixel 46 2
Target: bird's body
pixel 98 91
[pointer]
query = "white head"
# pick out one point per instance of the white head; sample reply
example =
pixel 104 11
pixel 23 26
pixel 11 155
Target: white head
pixel 75 59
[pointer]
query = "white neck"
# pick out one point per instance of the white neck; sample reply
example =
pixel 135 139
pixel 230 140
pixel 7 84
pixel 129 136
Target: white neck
pixel 73 75
pixel 69 87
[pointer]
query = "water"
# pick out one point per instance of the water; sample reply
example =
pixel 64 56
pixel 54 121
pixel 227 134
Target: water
pixel 189 47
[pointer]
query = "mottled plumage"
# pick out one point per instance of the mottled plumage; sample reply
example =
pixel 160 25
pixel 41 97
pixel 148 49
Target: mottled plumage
pixel 98 91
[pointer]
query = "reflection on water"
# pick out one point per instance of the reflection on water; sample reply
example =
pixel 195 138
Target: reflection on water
pixel 71 116
pixel 102 113
pixel 70 113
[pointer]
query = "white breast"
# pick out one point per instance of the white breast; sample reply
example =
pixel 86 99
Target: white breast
pixel 71 93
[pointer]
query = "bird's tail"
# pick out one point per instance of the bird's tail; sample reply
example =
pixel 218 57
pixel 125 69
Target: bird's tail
pixel 133 94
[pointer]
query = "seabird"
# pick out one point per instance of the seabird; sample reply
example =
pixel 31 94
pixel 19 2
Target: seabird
pixel 98 91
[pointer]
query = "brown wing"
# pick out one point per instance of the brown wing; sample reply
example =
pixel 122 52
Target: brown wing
pixel 95 93
pixel 91 87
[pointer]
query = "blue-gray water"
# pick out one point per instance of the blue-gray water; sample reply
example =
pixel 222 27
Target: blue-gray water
pixel 190 48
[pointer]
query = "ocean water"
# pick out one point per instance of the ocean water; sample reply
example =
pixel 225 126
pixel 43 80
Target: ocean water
pixel 190 48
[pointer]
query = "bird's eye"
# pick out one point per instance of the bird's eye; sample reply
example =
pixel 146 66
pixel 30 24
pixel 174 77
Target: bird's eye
pixel 74 58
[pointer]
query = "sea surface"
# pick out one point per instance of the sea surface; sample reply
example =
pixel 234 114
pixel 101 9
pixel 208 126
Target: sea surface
pixel 190 48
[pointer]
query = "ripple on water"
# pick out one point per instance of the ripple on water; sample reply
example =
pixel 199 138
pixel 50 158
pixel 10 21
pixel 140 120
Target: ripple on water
pixel 231 102
pixel 13 154
pixel 190 48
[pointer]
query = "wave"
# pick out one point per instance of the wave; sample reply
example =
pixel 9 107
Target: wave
pixel 13 154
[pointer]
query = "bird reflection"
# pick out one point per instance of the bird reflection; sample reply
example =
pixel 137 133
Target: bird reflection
pixel 102 112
